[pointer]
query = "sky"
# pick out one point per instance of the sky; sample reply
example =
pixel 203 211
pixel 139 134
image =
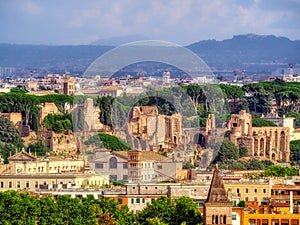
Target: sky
pixel 73 22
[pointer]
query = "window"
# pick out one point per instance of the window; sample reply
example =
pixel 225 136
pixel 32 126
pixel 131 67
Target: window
pixel 246 199
pixel 137 200
pixel 132 200
pixel 1 184
pixel 113 178
pixel 99 165
pixel 234 217
pixel 246 190
pixel 125 177
pixel 255 190
pixel 27 184
pixel 18 184
pixel 125 165
pixel 10 184
pixel 36 184
pixel 143 200
pixel 113 162
pixel 264 191
pixel 238 190
pixel 255 199
pixel 120 201
pixel 159 167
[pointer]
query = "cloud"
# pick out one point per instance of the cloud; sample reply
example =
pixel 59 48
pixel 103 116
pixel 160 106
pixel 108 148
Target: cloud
pixel 31 8
pixel 176 20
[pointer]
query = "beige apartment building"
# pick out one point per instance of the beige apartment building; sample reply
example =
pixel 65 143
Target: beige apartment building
pixel 26 171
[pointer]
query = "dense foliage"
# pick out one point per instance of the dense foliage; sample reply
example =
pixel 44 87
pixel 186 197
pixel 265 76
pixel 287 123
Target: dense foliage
pixel 295 151
pixel 58 122
pixel 227 151
pixel 28 105
pixel 252 164
pixel 260 122
pixel 39 147
pixel 22 208
pixel 10 139
pixel 108 141
pixel 171 211
pixel 278 171
pixel 296 115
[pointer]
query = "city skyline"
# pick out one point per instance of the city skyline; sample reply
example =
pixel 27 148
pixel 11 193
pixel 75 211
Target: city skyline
pixel 181 22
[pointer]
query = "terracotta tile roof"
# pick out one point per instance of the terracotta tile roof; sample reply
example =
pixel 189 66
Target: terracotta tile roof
pixel 279 204
pixel 110 88
pixel 121 154
pixel 145 156
pixel 152 156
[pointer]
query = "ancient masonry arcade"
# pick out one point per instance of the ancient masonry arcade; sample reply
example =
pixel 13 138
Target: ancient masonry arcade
pixel 271 143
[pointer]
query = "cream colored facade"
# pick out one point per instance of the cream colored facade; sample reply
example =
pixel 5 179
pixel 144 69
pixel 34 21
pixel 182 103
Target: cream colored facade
pixel 26 171
pixel 51 181
pixel 112 91
pixel 248 191
pixel 26 163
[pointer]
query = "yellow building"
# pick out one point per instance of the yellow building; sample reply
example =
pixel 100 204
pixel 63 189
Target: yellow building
pixel 248 191
pixel 26 163
pixel 25 171
pixel 271 219
pixel 36 182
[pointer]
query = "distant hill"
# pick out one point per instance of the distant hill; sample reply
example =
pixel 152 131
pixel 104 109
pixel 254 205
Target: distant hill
pixel 248 50
pixel 50 58
pixel 254 53
pixel 116 41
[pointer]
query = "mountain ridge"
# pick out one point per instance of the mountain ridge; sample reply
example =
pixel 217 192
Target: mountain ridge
pixel 252 52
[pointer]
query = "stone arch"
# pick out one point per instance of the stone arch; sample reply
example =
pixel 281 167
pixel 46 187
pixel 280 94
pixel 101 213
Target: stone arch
pixel 268 144
pixel 200 139
pixel 255 147
pixel 282 144
pixel 175 139
pixel 261 147
pixel 276 138
pixel 273 156
pixel 113 163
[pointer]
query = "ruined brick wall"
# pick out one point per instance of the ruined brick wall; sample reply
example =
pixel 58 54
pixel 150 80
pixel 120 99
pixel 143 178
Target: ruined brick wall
pixel 159 130
pixel 47 108
pixel 271 143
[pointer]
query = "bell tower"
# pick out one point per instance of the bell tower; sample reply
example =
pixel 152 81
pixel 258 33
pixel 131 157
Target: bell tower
pixel 217 207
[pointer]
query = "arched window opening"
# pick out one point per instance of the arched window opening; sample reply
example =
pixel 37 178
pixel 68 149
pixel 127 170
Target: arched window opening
pixel 113 162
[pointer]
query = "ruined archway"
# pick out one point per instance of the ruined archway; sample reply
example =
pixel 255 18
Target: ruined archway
pixel 255 147
pixel 282 145
pixel 262 144
pixel 199 139
pixel 268 147
pixel 276 139
pixel 273 156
